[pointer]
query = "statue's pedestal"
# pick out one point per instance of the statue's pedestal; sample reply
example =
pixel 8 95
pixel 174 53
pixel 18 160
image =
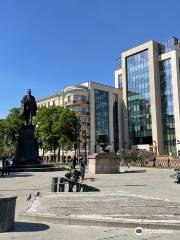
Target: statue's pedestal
pixel 27 147
pixel 104 163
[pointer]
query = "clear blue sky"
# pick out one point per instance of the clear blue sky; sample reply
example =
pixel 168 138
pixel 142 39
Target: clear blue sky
pixel 46 45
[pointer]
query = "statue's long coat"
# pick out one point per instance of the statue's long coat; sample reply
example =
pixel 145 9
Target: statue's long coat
pixel 28 106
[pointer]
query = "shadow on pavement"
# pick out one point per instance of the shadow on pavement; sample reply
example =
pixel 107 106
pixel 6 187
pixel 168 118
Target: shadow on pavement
pixel 133 171
pixel 135 185
pixel 174 176
pixel 90 179
pixel 29 227
pixel 17 175
pixel 177 182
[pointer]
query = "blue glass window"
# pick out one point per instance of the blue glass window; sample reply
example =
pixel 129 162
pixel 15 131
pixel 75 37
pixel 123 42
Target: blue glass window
pixel 168 45
pixel 139 107
pixel 118 63
pixel 101 112
pixel 120 84
pixel 167 106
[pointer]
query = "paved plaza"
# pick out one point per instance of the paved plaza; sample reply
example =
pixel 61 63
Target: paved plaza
pixel 64 232
pixel 132 186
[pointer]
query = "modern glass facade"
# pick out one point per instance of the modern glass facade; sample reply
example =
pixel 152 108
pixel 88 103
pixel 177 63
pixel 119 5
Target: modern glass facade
pixel 115 123
pixel 139 106
pixel 118 63
pixel 167 106
pixel 101 112
pixel 168 45
pixel 120 83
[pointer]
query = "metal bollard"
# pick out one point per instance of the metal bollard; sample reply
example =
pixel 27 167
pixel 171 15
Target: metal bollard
pixel 54 184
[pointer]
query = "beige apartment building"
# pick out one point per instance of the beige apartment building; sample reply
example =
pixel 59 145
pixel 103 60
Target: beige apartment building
pixel 149 78
pixel 99 109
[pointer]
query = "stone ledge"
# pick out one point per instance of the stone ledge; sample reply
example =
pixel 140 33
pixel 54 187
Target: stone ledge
pixel 126 223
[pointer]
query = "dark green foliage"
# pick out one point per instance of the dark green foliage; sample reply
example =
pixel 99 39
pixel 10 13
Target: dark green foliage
pixel 127 156
pixel 9 130
pixel 55 127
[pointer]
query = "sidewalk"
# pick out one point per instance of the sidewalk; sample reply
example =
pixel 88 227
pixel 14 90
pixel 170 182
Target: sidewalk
pixel 136 194
pixel 104 209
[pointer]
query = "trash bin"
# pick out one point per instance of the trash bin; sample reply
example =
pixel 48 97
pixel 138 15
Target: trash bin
pixel 7 212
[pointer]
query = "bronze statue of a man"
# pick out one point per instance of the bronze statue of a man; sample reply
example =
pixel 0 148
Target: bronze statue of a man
pixel 28 107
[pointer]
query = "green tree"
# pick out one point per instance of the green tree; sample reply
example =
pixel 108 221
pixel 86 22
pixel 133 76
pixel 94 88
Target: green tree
pixel 11 127
pixel 56 127
pixel 69 127
pixel 44 128
pixel 1 138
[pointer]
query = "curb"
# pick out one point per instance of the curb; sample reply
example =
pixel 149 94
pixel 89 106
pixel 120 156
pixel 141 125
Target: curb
pixel 68 220
pixel 37 169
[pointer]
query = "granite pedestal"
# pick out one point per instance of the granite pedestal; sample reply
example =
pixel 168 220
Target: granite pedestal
pixel 103 163
pixel 27 146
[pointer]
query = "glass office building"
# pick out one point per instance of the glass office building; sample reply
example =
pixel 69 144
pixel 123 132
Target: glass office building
pixel 168 45
pixel 97 107
pixel 139 112
pixel 167 106
pixel 120 81
pixel 151 96
pixel 101 112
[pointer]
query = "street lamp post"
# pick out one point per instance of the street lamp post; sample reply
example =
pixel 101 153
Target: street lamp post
pixel 85 145
pixel 16 137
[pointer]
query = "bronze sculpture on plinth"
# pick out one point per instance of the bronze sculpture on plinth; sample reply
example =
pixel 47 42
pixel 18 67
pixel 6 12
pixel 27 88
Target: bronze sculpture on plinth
pixel 102 141
pixel 27 146
pixel 28 107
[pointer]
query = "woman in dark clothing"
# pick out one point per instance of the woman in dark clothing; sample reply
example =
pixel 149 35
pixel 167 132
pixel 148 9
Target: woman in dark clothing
pixel 74 162
pixel 82 168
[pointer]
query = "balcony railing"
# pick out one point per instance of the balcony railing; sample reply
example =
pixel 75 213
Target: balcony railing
pixel 85 124
pixel 83 113
pixel 76 102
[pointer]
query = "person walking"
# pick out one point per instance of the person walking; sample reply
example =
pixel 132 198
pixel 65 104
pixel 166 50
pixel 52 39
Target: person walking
pixel 154 162
pixel 8 164
pixel 74 162
pixel 82 168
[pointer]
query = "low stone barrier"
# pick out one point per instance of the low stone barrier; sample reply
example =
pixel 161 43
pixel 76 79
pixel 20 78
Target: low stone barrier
pixel 7 212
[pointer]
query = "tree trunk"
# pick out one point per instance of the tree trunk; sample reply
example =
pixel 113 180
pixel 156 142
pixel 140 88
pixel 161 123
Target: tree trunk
pixel 75 150
pixel 54 155
pixel 43 156
pixel 59 152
